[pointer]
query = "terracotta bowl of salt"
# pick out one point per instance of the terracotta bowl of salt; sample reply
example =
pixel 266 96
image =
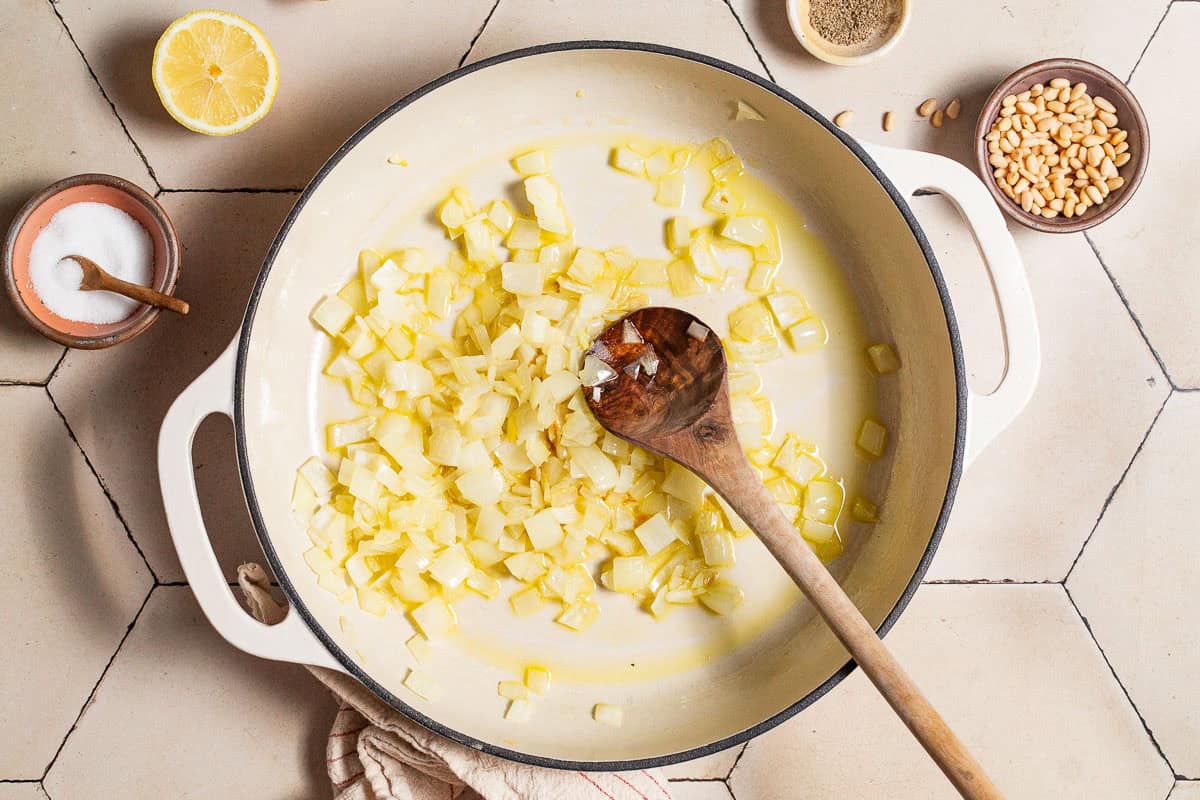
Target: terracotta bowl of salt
pixel 35 216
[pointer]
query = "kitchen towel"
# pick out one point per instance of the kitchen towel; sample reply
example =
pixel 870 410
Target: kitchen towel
pixel 375 753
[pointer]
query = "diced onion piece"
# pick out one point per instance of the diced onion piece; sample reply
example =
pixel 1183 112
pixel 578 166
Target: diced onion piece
pixel 578 616
pixel 434 617
pixel 598 467
pixel 697 331
pixel 543 194
pixel 544 530
pixel 679 233
pixel 500 216
pixel 534 162
pixel 702 258
pixel 683 279
pixel 626 160
pixel 872 438
pixel 629 333
pixel 481 486
pixel 483 583
pixel 513 690
pixel 333 314
pixel 751 322
pixel 670 191
pixel 808 335
pixel 788 308
pixel 799 464
pixel 595 372
pixel 526 602
pixel 762 277
pixel 524 235
pixel 628 574
pixel 883 358
pixel 649 360
pixel 632 369
pixel 722 597
pixel 527 567
pixel 607 714
pixel 717 547
pixel 817 532
pixel 864 510
pixel 658 164
pixel 304 499
pixel 522 279
pixel 422 685
pixel 451 568
pixel 823 501
pixel 318 475
pixel 410 377
pixel 519 711
pixel 747 112
pixel 537 679
pixel 758 352
pixel 655 533
pixel 748 230
pixel 727 170
pixel 648 272
pixel 722 201
pixel 420 648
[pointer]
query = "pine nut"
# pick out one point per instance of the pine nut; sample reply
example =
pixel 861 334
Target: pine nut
pixel 1024 96
pixel 1008 112
pixel 1060 83
pixel 927 107
pixel 889 121
pixel 1049 213
pixel 1093 173
pixel 1101 187
pixel 1005 146
pixel 1094 194
pixel 1091 140
pixel 1013 138
pixel 1115 138
pixel 1021 186
pixel 1036 89
pixel 953 109
pixel 1108 118
pixel 1067 116
pixel 1050 94
pixel 1115 183
pixel 1109 150
pixel 844 118
pixel 1099 128
pixel 1121 160
pixel 1121 148
pixel 1107 168
pixel 1095 155
pixel 1057 204
pixel 1104 104
pixel 1077 90
pixel 1006 124
pixel 1026 107
pixel 997 159
pixel 1012 179
pixel 936 119
pixel 1027 201
pixel 1008 102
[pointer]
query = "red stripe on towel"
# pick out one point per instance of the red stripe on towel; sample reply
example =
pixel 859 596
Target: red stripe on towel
pixel 598 788
pixel 653 780
pixel 621 778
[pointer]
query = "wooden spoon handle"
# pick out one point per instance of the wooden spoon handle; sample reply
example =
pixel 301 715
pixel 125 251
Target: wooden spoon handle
pixel 143 294
pixel 746 494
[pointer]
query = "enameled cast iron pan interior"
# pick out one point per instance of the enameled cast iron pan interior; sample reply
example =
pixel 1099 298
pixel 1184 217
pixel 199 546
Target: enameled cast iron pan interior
pixel 487 110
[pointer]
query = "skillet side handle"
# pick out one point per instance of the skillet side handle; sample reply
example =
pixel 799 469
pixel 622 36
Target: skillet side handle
pixel 290 640
pixel 987 414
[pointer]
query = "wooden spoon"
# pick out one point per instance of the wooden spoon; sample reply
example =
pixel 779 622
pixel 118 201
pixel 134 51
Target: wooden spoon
pixel 96 279
pixel 682 412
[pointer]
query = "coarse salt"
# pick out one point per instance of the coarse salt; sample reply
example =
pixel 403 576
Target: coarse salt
pixel 107 235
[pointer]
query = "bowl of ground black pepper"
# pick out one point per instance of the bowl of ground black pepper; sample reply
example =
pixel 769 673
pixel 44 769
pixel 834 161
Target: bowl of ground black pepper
pixel 848 32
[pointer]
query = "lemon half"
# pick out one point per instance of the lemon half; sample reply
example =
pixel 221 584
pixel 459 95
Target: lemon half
pixel 215 72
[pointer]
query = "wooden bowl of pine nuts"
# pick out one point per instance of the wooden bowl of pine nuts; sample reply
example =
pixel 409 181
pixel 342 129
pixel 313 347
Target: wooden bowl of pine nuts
pixel 1062 145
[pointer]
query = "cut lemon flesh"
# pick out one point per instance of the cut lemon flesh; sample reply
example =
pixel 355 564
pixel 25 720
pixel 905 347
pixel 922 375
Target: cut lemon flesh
pixel 215 72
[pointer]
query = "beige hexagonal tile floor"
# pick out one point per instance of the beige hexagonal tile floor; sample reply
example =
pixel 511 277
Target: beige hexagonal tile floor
pixel 180 713
pixel 1021 515
pixel 1150 248
pixel 1012 669
pixel 70 582
pixel 95 390
pixel 951 49
pixel 368 54
pixel 56 124
pixel 1135 583
pixel 708 26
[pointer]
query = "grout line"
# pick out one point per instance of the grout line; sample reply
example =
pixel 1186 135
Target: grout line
pixel 736 761
pixel 235 190
pixel 750 40
pixel 478 33
pixel 57 364
pixel 1149 41
pixel 1117 678
pixel 1113 493
pixel 104 94
pixel 34 384
pixel 986 582
pixel 42 786
pixel 111 500
pixel 20 780
pixel 696 780
pixel 96 686
pixel 1128 308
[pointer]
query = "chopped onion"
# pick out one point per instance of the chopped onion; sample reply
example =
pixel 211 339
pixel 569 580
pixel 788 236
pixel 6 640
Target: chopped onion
pixel 597 393
pixel 629 333
pixel 595 372
pixel 697 331
pixel 633 369
pixel 649 360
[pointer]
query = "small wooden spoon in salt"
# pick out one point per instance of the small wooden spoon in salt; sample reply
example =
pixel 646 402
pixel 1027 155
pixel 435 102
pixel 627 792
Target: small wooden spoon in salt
pixel 96 279
pixel 675 402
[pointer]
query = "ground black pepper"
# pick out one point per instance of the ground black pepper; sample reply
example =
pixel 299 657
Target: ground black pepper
pixel 848 22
